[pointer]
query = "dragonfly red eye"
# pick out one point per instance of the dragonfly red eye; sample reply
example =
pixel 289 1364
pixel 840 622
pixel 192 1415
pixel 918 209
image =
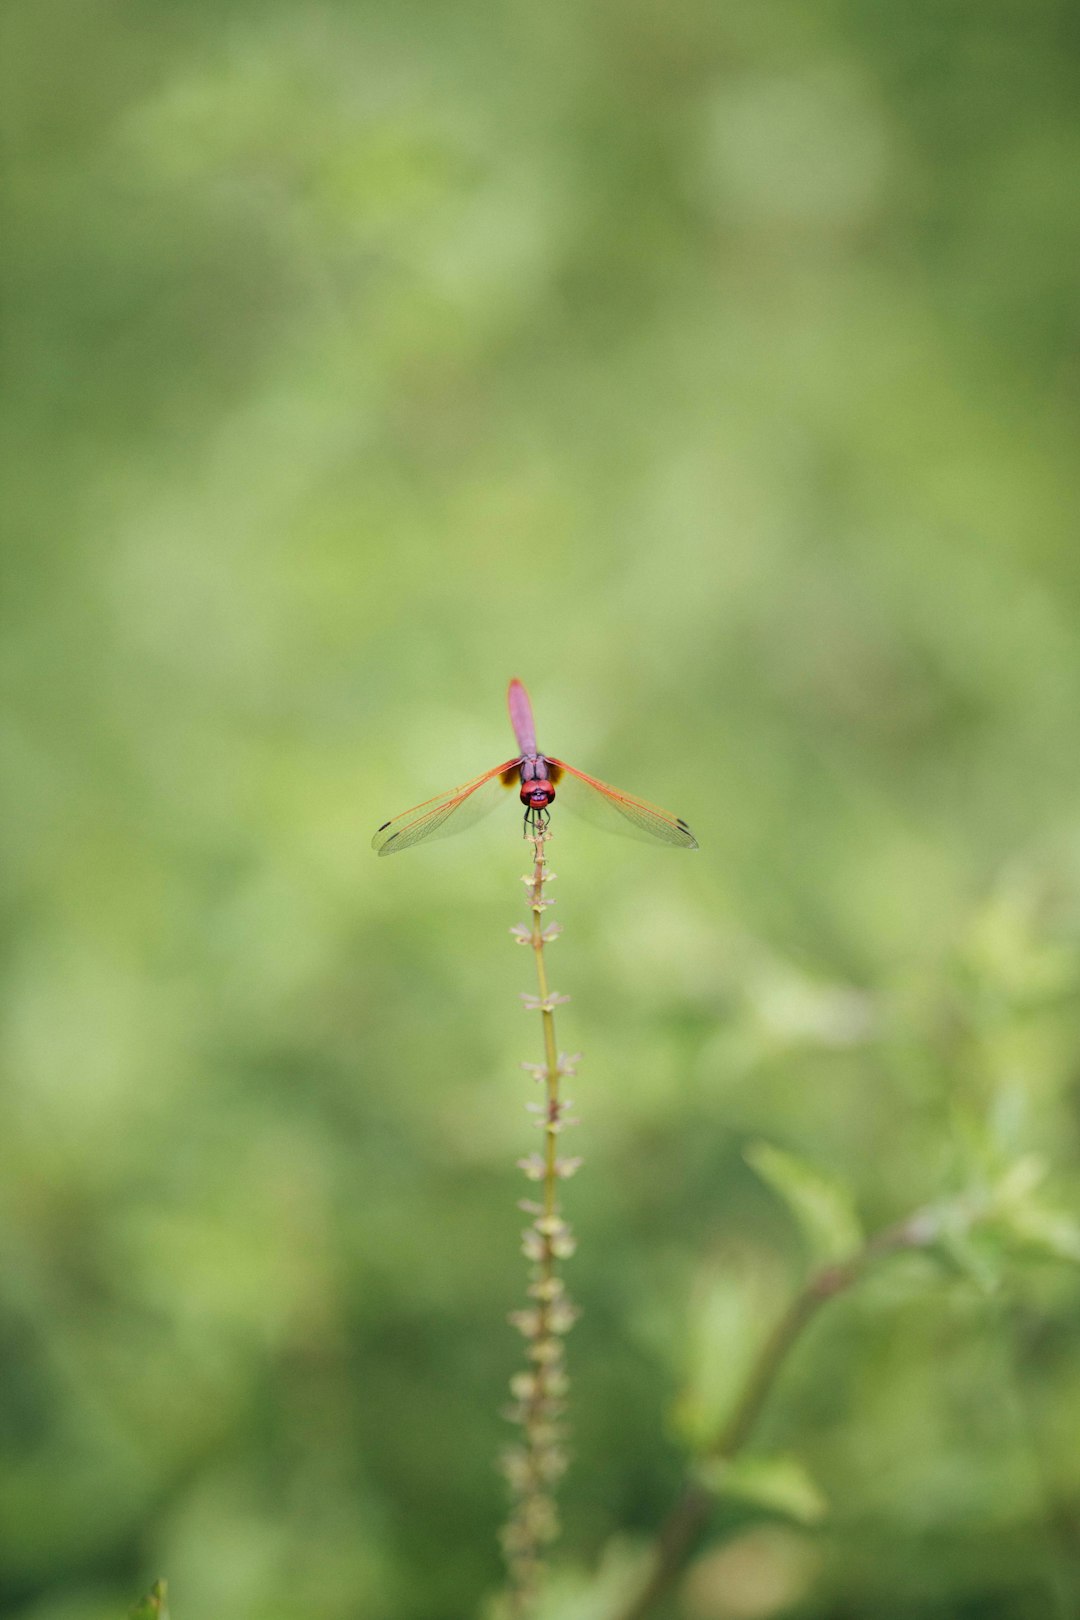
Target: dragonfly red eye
pixel 537 794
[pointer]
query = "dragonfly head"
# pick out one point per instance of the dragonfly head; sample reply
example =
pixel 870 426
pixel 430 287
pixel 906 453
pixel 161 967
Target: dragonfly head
pixel 537 795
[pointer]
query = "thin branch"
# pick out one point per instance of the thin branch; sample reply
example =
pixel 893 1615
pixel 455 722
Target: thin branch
pixel 687 1519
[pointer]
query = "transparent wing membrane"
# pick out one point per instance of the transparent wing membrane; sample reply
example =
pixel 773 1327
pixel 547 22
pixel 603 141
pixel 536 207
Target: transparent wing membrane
pixel 614 810
pixel 450 813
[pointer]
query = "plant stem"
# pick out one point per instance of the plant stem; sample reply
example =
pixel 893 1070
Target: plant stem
pixel 685 1521
pixel 551 1056
pixel 533 1467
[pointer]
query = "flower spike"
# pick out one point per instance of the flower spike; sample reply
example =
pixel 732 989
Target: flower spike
pixel 532 1468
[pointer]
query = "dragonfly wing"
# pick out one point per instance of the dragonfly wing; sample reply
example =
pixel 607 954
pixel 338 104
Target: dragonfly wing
pixel 452 812
pixel 617 811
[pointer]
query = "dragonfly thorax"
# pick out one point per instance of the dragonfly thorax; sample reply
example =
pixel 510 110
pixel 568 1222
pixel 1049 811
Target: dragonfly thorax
pixel 537 788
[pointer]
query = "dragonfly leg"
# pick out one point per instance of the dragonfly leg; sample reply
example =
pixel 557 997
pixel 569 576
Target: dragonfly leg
pixel 536 820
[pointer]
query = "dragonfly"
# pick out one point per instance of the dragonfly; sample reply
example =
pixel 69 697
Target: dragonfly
pixel 539 779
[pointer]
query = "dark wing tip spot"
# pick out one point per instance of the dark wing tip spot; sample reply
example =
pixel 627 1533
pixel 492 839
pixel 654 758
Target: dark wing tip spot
pixel 383 827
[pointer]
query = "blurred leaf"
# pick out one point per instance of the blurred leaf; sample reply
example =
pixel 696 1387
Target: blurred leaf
pixel 979 1255
pixel 823 1206
pixel 764 1570
pixel 983 1230
pixel 729 1313
pixel 1010 952
pixel 1020 1180
pixel 779 1484
pixel 595 1591
pixel 1025 1223
pixel 1047 1232
pixel 154 1605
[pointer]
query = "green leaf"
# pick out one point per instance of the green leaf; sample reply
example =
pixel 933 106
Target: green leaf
pixel 823 1206
pixel 976 1253
pixel 154 1605
pixel 1025 1224
pixel 779 1484
pixel 1019 1181
pixel 1034 1229
pixel 730 1309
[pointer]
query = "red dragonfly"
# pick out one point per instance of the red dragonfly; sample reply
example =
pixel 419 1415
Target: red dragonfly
pixel 537 777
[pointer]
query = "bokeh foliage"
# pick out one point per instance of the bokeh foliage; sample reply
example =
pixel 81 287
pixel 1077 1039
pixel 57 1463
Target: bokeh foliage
pixel 712 368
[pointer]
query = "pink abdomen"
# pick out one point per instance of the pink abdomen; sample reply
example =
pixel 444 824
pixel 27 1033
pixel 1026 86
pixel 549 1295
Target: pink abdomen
pixel 521 718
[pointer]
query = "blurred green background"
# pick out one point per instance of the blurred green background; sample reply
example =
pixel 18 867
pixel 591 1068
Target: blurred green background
pixel 714 368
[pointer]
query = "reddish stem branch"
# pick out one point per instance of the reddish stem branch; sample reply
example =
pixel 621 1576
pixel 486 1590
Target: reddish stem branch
pixel 686 1520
